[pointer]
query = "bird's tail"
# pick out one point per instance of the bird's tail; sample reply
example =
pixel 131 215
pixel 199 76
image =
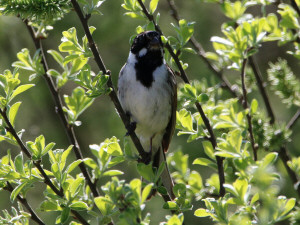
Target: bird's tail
pixel 166 179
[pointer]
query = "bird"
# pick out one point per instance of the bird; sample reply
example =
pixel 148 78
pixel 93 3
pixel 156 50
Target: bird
pixel 147 91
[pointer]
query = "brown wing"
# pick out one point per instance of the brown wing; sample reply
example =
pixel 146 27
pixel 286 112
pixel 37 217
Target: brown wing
pixel 171 126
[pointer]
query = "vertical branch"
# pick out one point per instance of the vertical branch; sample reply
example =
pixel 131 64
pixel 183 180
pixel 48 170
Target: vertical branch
pixel 184 77
pixel 25 203
pixel 283 153
pixel 59 106
pixel 245 105
pixel 261 86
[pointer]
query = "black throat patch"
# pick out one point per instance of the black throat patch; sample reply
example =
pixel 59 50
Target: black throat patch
pixel 146 65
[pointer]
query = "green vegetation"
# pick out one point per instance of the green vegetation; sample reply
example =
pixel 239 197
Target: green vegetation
pixel 235 159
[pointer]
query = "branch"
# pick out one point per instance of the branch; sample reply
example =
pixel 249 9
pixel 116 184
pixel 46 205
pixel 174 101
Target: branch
pixel 113 96
pixel 184 77
pixel 202 54
pixel 37 164
pixel 59 106
pixel 261 85
pixel 24 202
pixel 295 6
pixel 245 105
pixel 283 153
pixel 294 119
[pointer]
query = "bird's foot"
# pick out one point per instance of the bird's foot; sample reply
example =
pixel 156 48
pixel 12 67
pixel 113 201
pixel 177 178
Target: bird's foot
pixel 130 128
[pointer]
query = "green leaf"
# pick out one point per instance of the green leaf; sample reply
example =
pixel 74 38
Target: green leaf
pixel 76 185
pixel 185 119
pixel 79 206
pixel 146 171
pixel 202 98
pixel 64 215
pixel 153 5
pixel 16 191
pixel 113 173
pixel 202 162
pixel 208 149
pixel 49 206
pixel 269 159
pixel 289 205
pixel 104 204
pixel 146 192
pixel 13 112
pixel 20 90
pixel 179 190
pixel 176 220
pixel 64 157
pixel 73 165
pixel 171 205
pixel 57 57
pixel 48 148
pixel 202 213
pixel 53 73
pixel 19 163
pixel 254 106
pixel 289 16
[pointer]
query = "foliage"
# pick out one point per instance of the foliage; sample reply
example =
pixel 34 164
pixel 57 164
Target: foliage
pixel 228 130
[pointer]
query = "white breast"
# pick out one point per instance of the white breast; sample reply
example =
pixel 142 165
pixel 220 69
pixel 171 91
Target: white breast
pixel 150 107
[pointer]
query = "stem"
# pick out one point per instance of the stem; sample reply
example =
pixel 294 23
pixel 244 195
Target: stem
pixel 37 164
pixel 24 202
pixel 283 153
pixel 245 105
pixel 294 119
pixel 59 108
pixel 184 77
pixel 261 85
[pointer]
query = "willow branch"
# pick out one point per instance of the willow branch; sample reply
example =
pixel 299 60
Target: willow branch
pixel 37 164
pixel 25 203
pixel 294 119
pixel 245 106
pixel 184 77
pixel 202 54
pixel 261 85
pixel 59 108
pixel 285 158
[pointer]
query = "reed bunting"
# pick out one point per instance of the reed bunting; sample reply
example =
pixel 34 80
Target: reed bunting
pixel 148 94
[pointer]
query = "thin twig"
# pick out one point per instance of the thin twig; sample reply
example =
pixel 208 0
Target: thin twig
pixel 261 85
pixel 285 158
pixel 59 106
pixel 245 105
pixel 37 164
pixel 184 77
pixel 294 119
pixel 25 203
